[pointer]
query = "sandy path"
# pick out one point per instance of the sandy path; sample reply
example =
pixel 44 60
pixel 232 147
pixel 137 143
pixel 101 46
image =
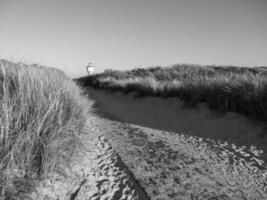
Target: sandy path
pixel 174 166
pixel 166 165
pixel 97 174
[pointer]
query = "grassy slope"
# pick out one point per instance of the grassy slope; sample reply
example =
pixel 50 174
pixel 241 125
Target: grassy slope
pixel 42 113
pixel 228 88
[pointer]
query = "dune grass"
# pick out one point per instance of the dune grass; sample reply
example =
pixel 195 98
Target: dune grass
pixel 224 88
pixel 42 113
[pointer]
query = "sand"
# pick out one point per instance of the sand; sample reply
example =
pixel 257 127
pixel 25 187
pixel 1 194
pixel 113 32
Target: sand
pixel 176 166
pixel 97 174
pixel 127 161
pixel 152 148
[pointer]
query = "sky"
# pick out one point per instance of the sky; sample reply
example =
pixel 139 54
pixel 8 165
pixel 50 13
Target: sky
pixel 125 34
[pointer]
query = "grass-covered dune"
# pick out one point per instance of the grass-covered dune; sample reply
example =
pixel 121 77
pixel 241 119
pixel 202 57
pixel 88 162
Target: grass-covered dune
pixel 224 88
pixel 42 114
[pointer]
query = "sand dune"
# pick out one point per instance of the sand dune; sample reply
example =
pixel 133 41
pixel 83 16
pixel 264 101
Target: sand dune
pixel 171 114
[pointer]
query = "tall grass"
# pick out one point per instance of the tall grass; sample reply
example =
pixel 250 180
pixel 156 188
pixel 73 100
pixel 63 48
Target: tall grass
pixel 42 113
pixel 224 88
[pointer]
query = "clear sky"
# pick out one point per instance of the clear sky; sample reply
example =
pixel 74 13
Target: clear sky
pixel 128 33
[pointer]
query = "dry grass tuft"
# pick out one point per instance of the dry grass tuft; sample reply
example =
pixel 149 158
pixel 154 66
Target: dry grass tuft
pixel 42 113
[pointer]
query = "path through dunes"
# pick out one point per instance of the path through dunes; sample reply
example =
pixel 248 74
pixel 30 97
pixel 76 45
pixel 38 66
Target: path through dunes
pixel 155 164
pixel 98 174
pixel 130 162
pixel 174 166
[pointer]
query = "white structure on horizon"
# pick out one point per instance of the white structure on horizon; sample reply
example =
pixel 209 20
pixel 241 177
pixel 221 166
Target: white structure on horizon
pixel 90 69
